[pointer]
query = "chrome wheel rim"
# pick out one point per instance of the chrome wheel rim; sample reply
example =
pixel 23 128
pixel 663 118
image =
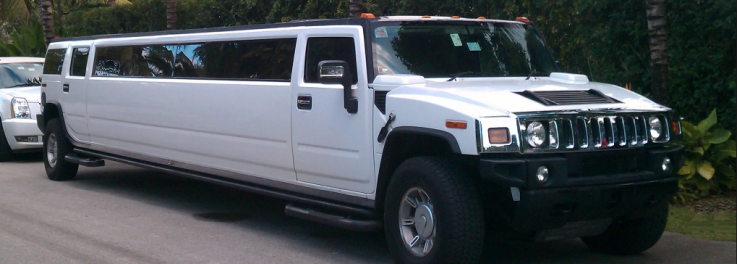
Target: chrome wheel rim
pixel 51 150
pixel 417 222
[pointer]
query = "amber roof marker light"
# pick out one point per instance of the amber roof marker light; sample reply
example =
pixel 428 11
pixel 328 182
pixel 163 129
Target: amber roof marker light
pixel 368 15
pixel 523 19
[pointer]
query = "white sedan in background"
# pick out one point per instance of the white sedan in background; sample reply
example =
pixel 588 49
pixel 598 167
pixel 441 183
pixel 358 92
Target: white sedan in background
pixel 20 92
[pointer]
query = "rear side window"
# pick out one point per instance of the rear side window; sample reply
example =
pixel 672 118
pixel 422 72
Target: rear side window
pixel 79 61
pixel 266 60
pixel 54 61
pixel 320 49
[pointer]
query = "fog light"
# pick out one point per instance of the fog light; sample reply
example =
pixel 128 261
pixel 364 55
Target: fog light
pixel 542 174
pixel 667 165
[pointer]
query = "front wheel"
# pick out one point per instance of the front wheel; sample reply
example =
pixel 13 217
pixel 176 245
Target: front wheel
pixel 432 213
pixel 56 147
pixel 631 237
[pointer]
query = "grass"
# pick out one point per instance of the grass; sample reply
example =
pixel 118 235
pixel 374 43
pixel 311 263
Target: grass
pixel 712 226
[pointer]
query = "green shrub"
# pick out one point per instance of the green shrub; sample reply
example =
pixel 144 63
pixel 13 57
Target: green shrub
pixel 710 154
pixel 26 41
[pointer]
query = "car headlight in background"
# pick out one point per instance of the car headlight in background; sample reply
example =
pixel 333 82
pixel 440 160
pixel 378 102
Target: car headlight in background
pixel 656 127
pixel 535 134
pixel 19 108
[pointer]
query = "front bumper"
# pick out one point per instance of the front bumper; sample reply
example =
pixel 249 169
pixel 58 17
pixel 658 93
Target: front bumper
pixel 625 184
pixel 22 128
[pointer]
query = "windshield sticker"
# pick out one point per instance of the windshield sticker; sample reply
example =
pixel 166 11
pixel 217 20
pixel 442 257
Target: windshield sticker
pixel 380 32
pixel 473 46
pixel 456 40
pixel 31 69
pixel 21 68
pixel 383 69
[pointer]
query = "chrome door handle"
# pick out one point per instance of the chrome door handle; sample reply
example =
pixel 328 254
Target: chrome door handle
pixel 304 102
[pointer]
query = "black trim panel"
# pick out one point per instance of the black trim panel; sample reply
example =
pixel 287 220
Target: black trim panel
pixel 290 192
pixel 431 132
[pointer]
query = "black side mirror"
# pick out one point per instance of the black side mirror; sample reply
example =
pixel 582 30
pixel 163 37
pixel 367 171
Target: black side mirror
pixel 339 72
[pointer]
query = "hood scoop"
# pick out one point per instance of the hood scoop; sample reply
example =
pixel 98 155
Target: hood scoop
pixel 569 97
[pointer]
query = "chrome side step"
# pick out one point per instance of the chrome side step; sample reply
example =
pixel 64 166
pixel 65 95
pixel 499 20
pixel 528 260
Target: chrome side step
pixel 341 221
pixel 77 158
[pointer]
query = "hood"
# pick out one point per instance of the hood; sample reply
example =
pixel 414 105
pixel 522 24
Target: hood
pixel 501 94
pixel 32 93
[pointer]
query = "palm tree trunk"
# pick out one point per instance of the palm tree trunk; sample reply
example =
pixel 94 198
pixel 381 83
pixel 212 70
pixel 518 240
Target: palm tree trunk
pixel 110 2
pixel 356 8
pixel 658 50
pixel 47 20
pixel 171 14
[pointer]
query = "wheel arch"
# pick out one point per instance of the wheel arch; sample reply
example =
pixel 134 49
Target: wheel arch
pixel 404 143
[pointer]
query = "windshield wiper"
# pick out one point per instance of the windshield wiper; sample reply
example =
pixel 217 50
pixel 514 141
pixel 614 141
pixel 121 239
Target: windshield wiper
pixel 535 73
pixel 455 76
pixel 24 85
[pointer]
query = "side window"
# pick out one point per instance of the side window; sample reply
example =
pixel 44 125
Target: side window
pixel 54 61
pixel 320 49
pixel 79 61
pixel 264 60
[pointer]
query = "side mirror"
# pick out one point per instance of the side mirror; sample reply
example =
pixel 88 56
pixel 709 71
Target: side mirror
pixel 339 72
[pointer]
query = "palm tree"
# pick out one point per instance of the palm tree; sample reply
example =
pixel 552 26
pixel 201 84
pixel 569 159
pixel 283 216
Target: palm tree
pixel 47 20
pixel 171 14
pixel 110 2
pixel 356 8
pixel 658 50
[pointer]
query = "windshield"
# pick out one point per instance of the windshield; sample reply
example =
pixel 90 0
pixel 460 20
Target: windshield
pixel 20 74
pixel 436 49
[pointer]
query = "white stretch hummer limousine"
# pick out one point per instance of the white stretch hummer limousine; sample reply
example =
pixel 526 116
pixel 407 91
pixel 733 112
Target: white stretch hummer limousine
pixel 443 131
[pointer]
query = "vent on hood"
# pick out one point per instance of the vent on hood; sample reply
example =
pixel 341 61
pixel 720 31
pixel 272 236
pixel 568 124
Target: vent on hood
pixel 568 97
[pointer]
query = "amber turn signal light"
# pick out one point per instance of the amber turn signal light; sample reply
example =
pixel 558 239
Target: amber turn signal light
pixel 675 127
pixel 456 124
pixel 499 135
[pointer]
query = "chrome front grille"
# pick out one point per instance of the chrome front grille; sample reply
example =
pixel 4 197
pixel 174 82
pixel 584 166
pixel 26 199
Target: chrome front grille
pixel 593 131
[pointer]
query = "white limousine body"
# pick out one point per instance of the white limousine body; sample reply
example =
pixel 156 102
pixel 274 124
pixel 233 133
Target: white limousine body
pixel 439 130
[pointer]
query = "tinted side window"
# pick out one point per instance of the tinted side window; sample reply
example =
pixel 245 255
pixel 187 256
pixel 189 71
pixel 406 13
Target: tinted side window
pixel 269 60
pixel 54 61
pixel 320 49
pixel 79 61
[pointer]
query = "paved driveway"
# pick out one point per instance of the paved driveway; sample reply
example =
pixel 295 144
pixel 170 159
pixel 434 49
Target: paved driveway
pixel 122 214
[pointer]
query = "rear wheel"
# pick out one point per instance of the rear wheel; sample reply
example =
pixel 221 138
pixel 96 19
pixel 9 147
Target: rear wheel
pixel 55 147
pixel 630 237
pixel 5 151
pixel 432 213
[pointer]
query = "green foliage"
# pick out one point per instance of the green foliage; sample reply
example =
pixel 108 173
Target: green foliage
pixel 26 41
pixel 709 159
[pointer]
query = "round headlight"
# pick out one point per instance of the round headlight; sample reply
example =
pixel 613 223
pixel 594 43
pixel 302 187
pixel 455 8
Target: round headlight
pixel 535 134
pixel 656 127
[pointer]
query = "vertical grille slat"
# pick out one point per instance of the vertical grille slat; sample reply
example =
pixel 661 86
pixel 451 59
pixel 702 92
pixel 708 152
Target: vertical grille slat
pixel 583 133
pixel 569 140
pixel 621 131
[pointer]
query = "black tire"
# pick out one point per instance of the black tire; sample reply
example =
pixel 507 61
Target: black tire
pixel 631 236
pixel 5 152
pixel 60 169
pixel 457 210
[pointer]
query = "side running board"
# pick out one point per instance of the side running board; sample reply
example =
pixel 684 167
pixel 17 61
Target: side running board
pixel 76 158
pixel 341 221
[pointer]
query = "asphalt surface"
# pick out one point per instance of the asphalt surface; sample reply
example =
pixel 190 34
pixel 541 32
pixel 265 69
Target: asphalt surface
pixel 123 214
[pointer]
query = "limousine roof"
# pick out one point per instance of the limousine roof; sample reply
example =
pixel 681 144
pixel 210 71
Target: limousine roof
pixel 293 23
